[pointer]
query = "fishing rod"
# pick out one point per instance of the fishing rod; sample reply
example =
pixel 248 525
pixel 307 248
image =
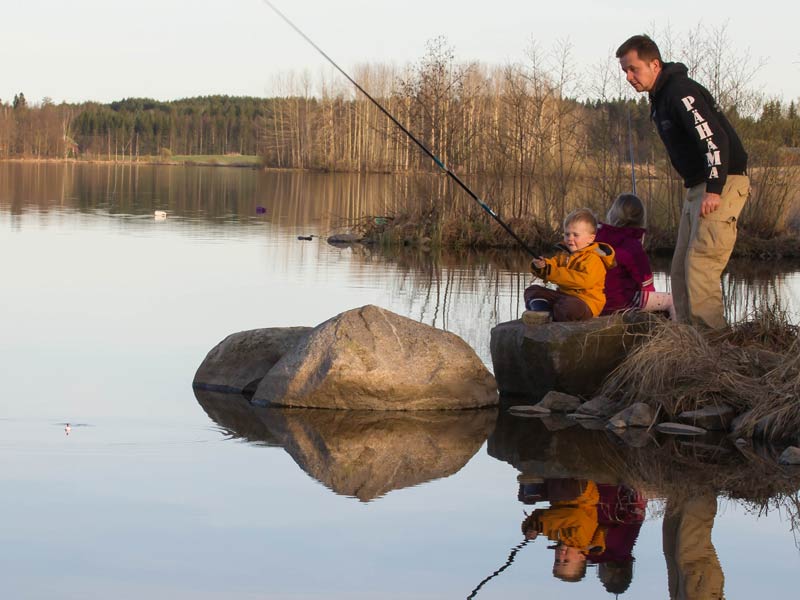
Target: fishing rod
pixel 422 146
pixel 630 150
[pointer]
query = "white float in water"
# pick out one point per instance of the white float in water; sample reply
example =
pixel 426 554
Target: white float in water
pixel 160 215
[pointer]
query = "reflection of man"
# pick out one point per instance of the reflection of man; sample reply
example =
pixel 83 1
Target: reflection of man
pixel 705 150
pixel 693 569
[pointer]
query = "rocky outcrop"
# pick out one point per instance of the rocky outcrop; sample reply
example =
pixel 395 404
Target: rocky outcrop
pixel 361 454
pixel 239 362
pixel 372 359
pixel 568 357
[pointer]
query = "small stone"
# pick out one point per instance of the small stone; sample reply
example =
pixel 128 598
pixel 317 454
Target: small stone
pixel 714 418
pixel 679 429
pixel 741 442
pixel 599 406
pixel 790 456
pixel 636 415
pixel 526 410
pixel 558 402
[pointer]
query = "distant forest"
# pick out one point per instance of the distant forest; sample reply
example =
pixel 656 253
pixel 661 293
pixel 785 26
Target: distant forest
pixel 542 124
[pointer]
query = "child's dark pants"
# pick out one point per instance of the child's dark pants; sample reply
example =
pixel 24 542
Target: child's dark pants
pixel 563 306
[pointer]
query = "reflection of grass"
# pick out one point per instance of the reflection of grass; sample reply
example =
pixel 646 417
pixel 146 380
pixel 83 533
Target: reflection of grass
pixel 225 160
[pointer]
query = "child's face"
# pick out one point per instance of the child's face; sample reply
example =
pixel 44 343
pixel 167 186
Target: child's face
pixel 568 561
pixel 578 235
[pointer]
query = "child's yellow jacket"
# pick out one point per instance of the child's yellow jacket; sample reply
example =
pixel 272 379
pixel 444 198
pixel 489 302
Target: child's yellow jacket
pixel 581 273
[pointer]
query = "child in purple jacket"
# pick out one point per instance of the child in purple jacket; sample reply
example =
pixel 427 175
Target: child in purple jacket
pixel 630 284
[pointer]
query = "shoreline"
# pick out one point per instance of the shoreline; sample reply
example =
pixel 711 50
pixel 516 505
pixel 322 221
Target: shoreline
pixel 406 231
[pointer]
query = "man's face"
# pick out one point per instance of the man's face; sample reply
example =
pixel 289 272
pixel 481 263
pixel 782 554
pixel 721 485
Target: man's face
pixel 641 74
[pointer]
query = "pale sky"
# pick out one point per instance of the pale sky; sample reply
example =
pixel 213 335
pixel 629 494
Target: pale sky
pixel 107 50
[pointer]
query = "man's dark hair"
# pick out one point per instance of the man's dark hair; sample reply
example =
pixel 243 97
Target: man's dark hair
pixel 645 48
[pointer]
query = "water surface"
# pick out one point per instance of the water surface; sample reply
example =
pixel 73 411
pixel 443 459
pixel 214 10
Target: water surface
pixel 106 314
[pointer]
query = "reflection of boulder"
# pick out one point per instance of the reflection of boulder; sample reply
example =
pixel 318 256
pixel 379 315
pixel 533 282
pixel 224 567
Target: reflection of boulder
pixel 236 416
pixel 371 358
pixel 533 448
pixel 364 454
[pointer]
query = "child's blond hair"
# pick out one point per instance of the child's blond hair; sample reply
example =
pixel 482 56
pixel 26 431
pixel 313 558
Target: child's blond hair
pixel 582 215
pixel 627 211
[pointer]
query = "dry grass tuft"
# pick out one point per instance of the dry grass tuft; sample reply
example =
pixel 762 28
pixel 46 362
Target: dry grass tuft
pixel 753 367
pixel 678 369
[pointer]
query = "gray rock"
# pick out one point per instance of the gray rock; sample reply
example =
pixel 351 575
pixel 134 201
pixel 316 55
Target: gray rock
pixel 569 357
pixel 240 361
pixel 373 359
pixel 558 402
pixel 790 456
pixel 713 418
pixel 598 407
pixel 636 415
pixel 679 429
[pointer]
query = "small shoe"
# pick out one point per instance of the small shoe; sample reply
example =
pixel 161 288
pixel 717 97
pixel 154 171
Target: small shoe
pixel 536 317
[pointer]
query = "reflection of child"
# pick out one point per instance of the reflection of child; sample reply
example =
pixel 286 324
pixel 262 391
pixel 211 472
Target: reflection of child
pixel 579 271
pixel 630 284
pixel 621 512
pixel 571 521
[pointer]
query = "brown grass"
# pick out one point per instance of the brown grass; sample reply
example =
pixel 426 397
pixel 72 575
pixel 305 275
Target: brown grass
pixel 754 367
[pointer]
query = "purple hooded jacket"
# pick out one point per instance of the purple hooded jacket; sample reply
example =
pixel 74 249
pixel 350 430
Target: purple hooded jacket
pixel 632 275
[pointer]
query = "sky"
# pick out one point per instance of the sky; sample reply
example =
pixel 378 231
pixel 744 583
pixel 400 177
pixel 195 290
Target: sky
pixel 169 49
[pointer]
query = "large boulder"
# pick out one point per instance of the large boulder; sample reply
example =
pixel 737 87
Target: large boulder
pixel 239 362
pixel 569 357
pixel 370 358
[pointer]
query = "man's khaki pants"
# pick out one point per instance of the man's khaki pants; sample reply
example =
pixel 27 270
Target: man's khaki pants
pixel 702 250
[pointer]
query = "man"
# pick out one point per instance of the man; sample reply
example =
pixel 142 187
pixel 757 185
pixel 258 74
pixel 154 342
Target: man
pixel 705 150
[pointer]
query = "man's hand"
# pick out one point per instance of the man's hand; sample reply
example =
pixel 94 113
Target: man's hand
pixel 709 204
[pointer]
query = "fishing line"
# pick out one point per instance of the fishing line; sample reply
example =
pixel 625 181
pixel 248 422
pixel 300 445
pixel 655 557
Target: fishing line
pixel 422 146
pixel 507 564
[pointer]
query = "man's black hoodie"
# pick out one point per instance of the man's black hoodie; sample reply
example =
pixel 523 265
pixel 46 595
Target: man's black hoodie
pixel 700 140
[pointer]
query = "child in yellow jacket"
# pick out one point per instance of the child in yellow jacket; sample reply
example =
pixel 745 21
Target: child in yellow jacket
pixel 579 271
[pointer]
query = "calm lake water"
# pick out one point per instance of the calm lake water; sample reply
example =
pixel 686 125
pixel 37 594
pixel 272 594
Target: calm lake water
pixel 156 493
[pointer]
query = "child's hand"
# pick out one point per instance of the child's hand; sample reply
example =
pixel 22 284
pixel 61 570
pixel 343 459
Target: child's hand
pixel 538 263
